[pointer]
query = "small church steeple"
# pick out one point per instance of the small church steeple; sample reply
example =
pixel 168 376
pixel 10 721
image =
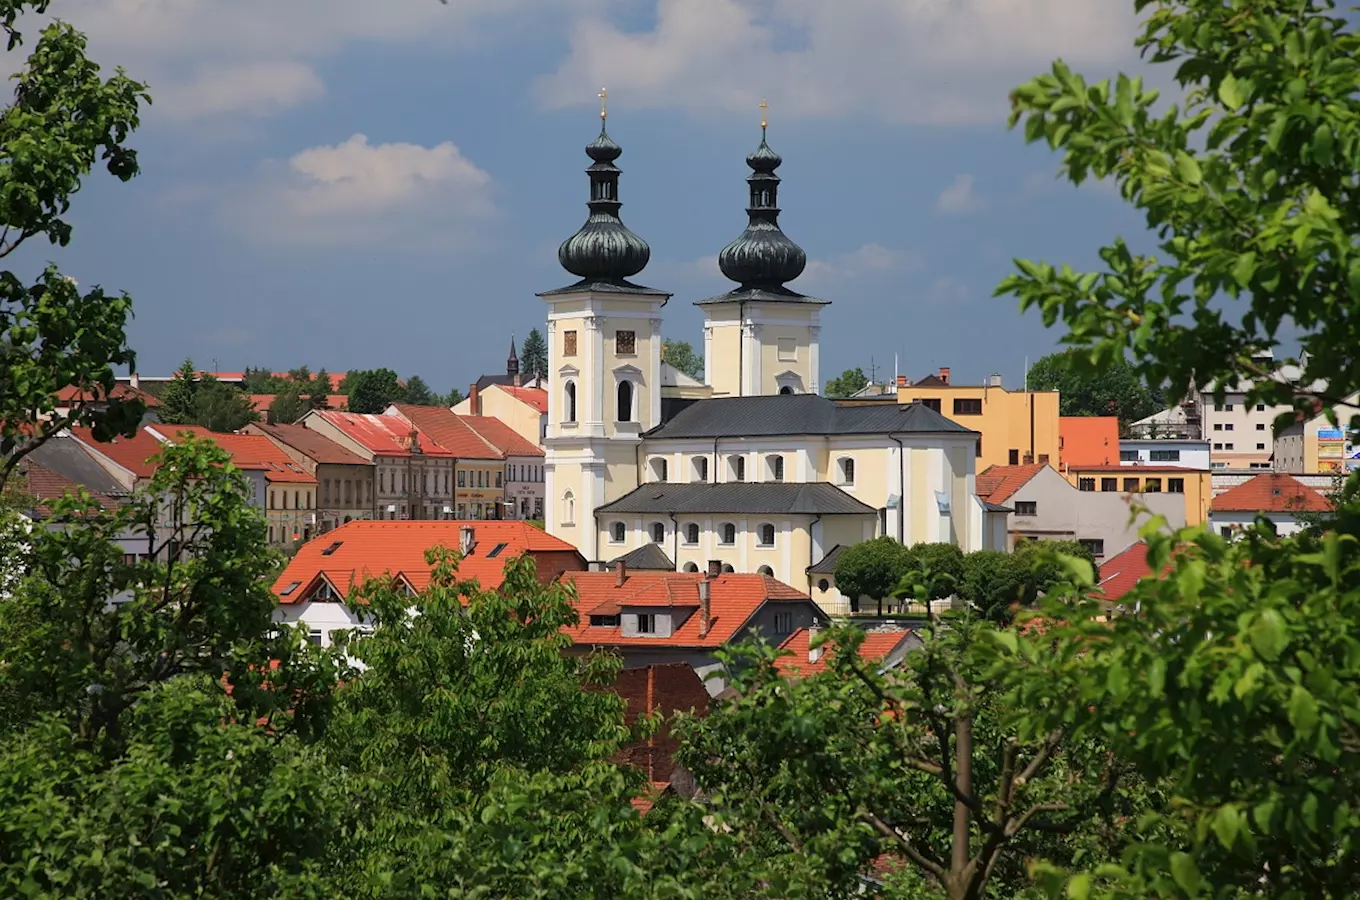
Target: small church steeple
pixel 512 361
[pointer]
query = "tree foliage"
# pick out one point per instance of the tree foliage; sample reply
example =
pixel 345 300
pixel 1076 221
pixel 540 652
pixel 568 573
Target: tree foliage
pixel 872 569
pixel 682 356
pixel 533 355
pixel 452 398
pixel 1116 390
pixel 419 393
pixel 287 408
pixel 373 390
pixel 219 406
pixel 847 384
pixel 64 119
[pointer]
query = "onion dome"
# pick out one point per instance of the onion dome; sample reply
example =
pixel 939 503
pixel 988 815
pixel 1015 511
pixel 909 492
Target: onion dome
pixel 604 250
pixel 763 257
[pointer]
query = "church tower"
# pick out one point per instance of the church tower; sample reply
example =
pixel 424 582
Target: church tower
pixel 762 338
pixel 604 360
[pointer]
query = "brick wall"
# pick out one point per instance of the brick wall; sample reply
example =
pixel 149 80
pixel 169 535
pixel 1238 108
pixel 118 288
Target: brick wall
pixel 666 689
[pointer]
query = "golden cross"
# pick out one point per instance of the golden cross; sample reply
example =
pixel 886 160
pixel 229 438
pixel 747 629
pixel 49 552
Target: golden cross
pixel 604 97
pixel 763 107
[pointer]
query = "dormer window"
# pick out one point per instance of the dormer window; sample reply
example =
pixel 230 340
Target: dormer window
pixel 604 621
pixel 646 623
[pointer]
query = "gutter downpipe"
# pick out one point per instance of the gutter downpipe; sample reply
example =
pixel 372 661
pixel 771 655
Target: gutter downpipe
pixel 901 489
pixel 675 540
pixel 812 548
pixel 715 461
pixel 741 349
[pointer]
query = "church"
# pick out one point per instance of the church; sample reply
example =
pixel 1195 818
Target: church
pixel 751 469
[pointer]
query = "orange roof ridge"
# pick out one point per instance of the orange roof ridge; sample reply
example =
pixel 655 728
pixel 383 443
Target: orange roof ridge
pixel 1275 492
pixel 998 483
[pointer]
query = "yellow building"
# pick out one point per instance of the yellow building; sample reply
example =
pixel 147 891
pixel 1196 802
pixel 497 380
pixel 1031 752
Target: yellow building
pixel 1195 484
pixel 1316 446
pixel 1017 427
pixel 524 409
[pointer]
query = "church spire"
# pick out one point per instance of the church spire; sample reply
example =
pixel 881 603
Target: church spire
pixel 512 361
pixel 763 257
pixel 604 250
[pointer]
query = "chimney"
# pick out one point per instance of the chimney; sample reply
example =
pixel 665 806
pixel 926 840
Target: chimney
pixel 944 374
pixel 705 608
pixel 902 381
pixel 814 653
pixel 415 440
pixel 467 539
pixel 135 381
pixel 474 400
pixel 714 568
pixel 994 380
pixel 621 568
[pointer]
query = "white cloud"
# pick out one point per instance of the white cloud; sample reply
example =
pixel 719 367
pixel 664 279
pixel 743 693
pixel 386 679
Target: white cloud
pixel 357 192
pixel 958 198
pixel 903 60
pixel 259 89
pixel 868 259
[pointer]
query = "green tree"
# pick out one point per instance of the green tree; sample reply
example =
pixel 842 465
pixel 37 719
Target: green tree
pixel 318 389
pixel 63 120
pixel 820 776
pixel 682 356
pixel 419 393
pixel 287 408
pixel 259 381
pixel 178 405
pixel 373 390
pixel 847 384
pixel 533 355
pixel 1233 683
pixel 943 561
pixel 872 569
pixel 1116 390
pixel 452 398
pixel 992 583
pixel 221 407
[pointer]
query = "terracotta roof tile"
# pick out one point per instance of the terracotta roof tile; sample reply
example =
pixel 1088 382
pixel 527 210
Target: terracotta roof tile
pixel 733 600
pixel 312 444
pixel 447 430
pixel 1121 572
pixel 368 549
pixel 72 394
pixel 1271 492
pixel 248 451
pixel 535 397
pixel 998 483
pixel 134 454
pixel 46 486
pixel 384 435
pixel 501 436
pixel 876 646
pixel 1088 440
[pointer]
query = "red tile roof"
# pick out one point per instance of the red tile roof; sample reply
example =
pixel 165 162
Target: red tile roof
pixel 998 483
pixel 1271 492
pixel 368 549
pixel 46 486
pixel 312 444
pixel 134 454
pixel 1121 572
pixel 1088 440
pixel 501 436
pixel 535 397
pixel 71 394
pixel 733 600
pixel 248 451
pixel 449 431
pixel 385 435
pixel 876 646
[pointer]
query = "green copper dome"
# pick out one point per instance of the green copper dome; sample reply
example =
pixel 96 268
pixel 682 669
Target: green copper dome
pixel 604 249
pixel 763 256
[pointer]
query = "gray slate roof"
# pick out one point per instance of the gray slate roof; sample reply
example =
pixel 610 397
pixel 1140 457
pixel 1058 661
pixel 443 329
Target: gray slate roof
pixel 997 507
pixel 69 458
pixel 647 558
pixel 762 295
pixel 739 498
pixel 789 414
pixel 827 566
pixel 603 286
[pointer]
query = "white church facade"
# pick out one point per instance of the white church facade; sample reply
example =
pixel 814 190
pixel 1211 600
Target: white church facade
pixel 753 468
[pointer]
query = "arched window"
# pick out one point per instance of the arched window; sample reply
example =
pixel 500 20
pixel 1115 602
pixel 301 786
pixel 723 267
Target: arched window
pixel 847 470
pixel 568 508
pixel 776 468
pixel 727 533
pixel 727 567
pixel 660 469
pixel 617 532
pixel 765 570
pixel 692 533
pixel 737 467
pixel 786 390
pixel 625 401
pixel 766 534
pixel 570 391
pixel 658 533
pixel 691 567
pixel 701 468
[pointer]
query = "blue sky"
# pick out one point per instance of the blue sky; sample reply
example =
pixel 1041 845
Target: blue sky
pixel 360 183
